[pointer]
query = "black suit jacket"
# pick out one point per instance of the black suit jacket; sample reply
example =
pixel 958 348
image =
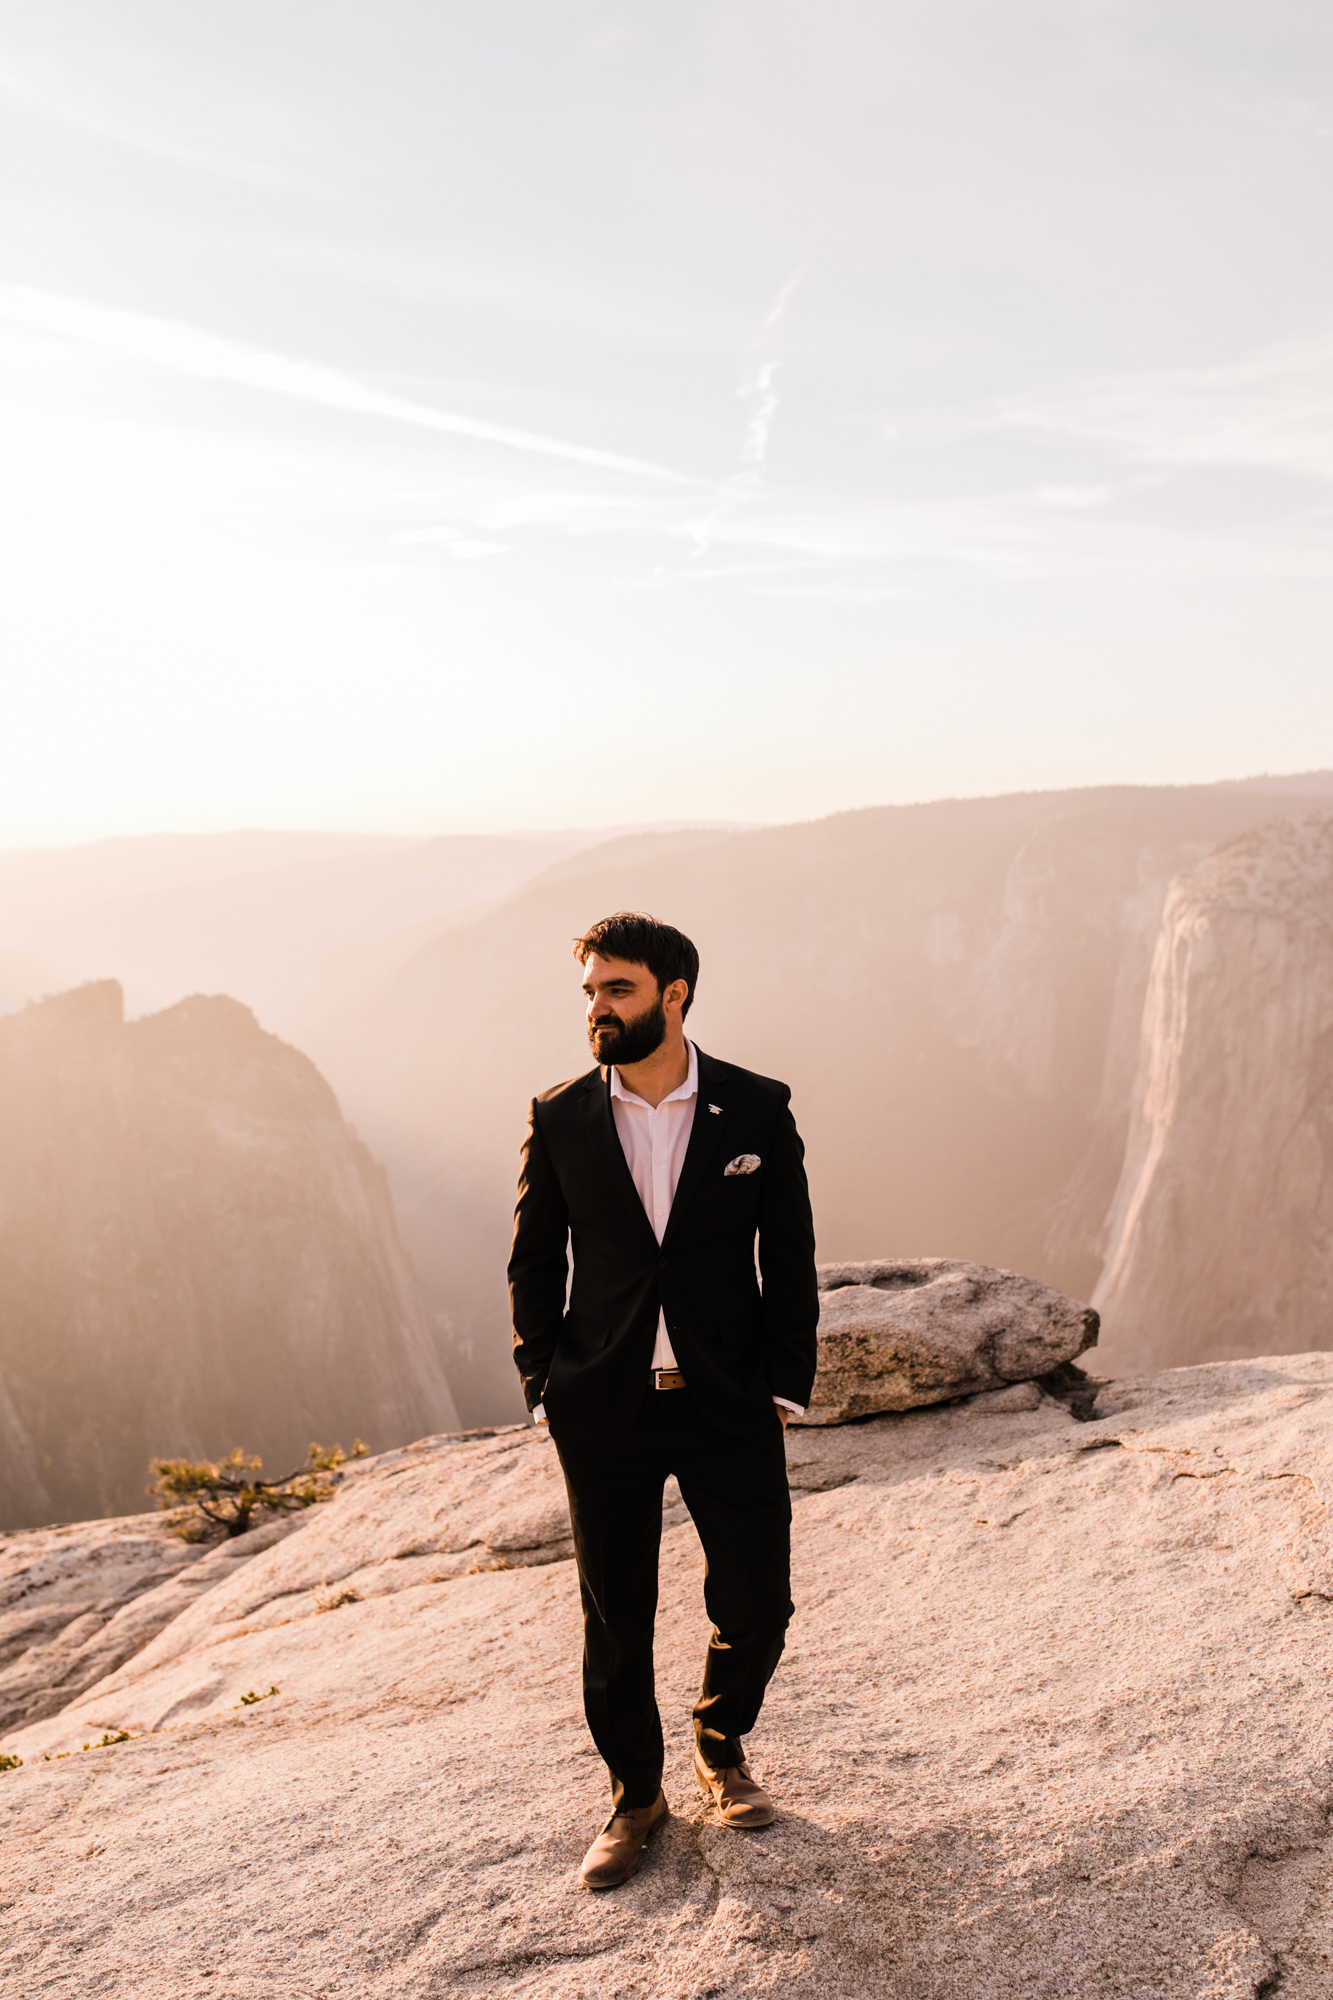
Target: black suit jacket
pixel 738 1345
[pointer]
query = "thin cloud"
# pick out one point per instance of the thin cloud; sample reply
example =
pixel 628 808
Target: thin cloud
pixel 61 103
pixel 190 350
pixel 454 542
pixel 1272 410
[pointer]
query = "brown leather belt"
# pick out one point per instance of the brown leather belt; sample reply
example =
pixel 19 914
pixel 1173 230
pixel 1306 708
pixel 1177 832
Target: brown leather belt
pixel 668 1378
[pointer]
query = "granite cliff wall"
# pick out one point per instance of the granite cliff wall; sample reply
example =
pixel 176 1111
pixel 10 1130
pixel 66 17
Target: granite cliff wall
pixel 195 1251
pixel 1221 1237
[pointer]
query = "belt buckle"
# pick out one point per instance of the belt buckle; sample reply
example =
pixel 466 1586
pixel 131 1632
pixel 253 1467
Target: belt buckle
pixel 668 1378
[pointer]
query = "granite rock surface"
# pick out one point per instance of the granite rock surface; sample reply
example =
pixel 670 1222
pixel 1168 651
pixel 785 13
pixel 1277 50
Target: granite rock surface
pixel 77 1600
pixel 1054 1722
pixel 894 1335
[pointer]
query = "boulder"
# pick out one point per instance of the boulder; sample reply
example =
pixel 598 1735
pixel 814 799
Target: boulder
pixel 894 1335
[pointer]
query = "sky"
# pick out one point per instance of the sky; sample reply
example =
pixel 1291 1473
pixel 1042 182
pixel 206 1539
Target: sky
pixel 459 415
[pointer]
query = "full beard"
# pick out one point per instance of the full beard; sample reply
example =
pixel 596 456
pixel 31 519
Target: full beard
pixel 618 1042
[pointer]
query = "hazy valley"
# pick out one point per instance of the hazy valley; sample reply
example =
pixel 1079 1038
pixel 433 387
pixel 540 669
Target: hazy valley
pixel 956 993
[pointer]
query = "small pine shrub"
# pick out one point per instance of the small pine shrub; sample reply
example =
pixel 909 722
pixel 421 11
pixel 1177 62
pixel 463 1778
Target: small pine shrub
pixel 209 1502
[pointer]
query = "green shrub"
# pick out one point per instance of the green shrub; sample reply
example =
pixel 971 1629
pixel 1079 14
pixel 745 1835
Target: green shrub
pixel 210 1501
pixel 11 1763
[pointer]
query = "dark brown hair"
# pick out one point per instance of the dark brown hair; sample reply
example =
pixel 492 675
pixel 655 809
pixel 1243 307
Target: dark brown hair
pixel 642 940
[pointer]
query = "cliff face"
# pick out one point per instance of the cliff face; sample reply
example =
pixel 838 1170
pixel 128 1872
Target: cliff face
pixel 1222 1228
pixel 195 1252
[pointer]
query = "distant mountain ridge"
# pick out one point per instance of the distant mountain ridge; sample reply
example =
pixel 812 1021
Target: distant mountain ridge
pixel 299 925
pixel 290 922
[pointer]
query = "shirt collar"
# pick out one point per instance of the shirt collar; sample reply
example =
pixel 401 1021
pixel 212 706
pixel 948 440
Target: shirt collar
pixel 690 1087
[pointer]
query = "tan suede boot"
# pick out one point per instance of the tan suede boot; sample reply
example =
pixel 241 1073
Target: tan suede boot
pixel 618 1848
pixel 739 1800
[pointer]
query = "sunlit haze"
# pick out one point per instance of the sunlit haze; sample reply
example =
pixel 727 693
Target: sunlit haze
pixel 551 413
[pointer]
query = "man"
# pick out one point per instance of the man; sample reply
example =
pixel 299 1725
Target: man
pixel 663 1166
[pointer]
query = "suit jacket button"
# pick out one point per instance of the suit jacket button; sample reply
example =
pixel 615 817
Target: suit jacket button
pixel 661 1263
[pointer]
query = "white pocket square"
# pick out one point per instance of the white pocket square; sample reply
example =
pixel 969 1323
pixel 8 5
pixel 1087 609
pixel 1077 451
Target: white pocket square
pixel 744 1163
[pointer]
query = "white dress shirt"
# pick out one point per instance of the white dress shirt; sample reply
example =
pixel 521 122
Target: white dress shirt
pixel 654 1139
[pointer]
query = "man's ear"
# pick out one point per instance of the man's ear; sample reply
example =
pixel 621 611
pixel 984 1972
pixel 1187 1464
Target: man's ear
pixel 677 993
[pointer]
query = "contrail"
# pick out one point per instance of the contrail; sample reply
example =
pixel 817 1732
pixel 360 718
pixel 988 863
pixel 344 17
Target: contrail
pixel 189 350
pixel 756 436
pixel 743 485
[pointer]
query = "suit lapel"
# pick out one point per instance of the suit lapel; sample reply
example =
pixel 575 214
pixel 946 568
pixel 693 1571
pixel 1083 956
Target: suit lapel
pixel 600 1125
pixel 706 1137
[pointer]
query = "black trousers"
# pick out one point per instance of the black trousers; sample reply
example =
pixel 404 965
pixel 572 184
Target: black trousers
pixel 736 1491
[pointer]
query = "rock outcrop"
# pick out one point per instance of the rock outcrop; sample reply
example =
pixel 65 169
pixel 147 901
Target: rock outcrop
pixel 77 1601
pixel 195 1252
pixel 1053 1724
pixel 894 1335
pixel 1221 1237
